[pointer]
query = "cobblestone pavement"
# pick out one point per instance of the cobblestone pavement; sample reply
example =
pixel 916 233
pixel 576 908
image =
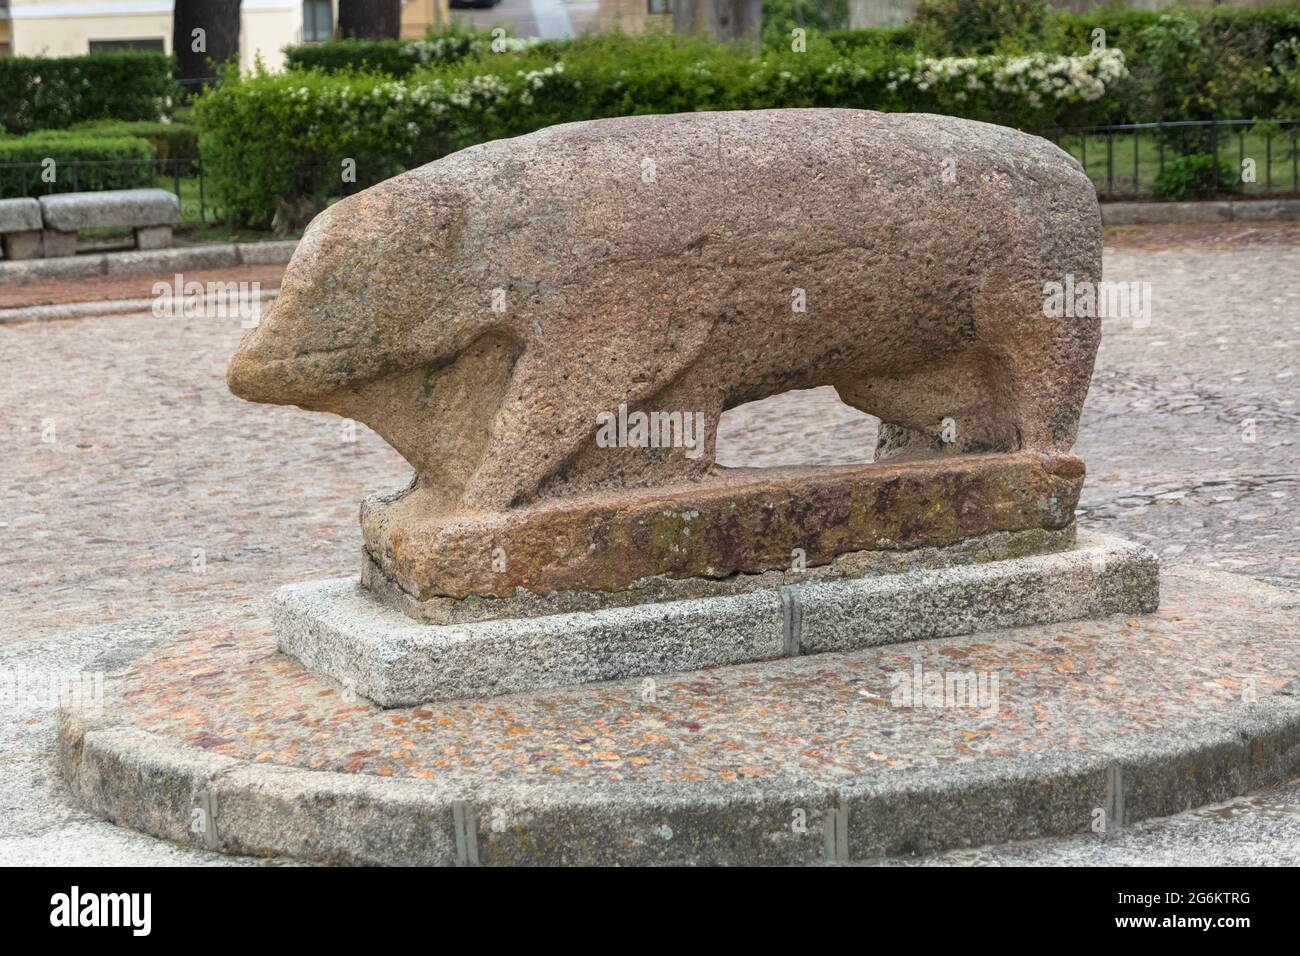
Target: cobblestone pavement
pixel 137 487
pixel 1192 431
pixel 137 286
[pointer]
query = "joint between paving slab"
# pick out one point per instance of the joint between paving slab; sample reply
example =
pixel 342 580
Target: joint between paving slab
pixel 205 802
pixel 465 823
pixel 1114 821
pixel 835 832
pixel 791 622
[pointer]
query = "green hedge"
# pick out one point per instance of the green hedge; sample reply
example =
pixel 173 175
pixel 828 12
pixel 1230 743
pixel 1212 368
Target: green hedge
pixel 80 163
pixel 268 139
pixel 1224 63
pixel 1195 177
pixel 977 26
pixel 781 17
pixel 56 92
pixel 174 140
pixel 1198 63
pixel 399 58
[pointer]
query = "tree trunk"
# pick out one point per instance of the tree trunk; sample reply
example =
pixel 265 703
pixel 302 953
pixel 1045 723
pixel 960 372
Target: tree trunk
pixel 372 19
pixel 723 20
pixel 217 41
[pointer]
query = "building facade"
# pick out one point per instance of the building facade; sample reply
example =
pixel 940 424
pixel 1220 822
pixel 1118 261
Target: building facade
pixel 77 27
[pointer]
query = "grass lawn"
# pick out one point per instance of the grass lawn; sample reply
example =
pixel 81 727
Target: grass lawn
pixel 201 216
pixel 1133 176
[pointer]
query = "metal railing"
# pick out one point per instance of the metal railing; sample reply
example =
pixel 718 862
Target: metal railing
pixel 184 177
pixel 1125 161
pixel 314 184
pixel 1122 161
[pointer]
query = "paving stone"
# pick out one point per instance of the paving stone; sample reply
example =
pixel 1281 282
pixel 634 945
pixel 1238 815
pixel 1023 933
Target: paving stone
pixel 140 409
pixel 922 746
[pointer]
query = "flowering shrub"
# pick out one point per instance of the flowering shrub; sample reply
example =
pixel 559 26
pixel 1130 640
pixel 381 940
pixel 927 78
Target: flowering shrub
pixel 1032 89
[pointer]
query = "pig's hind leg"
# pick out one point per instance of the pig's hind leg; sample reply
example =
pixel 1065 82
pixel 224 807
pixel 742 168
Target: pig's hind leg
pixel 951 409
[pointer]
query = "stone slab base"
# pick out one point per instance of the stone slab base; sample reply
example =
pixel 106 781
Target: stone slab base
pixel 22 245
pixel 338 629
pixel 153 237
pixel 213 740
pixel 663 589
pixel 58 244
pixel 740 521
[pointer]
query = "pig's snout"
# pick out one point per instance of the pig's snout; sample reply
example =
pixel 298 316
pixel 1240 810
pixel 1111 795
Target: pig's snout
pixel 261 369
pixel 250 375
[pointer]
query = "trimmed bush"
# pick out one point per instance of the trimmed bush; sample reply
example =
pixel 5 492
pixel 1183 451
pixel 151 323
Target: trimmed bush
pixel 897 39
pixel 174 140
pixel 81 163
pixel 273 139
pixel 781 17
pixel 398 58
pixel 57 92
pixel 977 26
pixel 1193 177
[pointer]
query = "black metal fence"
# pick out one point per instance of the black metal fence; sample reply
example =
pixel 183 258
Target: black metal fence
pixel 1122 161
pixel 1260 156
pixel 184 177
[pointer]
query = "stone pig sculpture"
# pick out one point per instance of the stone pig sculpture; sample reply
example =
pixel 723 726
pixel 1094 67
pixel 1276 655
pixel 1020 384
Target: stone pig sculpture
pixel 481 312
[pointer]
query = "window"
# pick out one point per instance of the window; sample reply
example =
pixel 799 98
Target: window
pixel 657 6
pixel 317 21
pixel 148 44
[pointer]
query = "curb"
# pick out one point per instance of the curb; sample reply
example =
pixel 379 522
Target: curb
pixel 154 784
pixel 182 792
pixel 1234 210
pixel 81 310
pixel 226 255
pixel 215 256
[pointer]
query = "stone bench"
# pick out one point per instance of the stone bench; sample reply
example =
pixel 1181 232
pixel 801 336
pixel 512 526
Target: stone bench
pixel 150 212
pixel 20 228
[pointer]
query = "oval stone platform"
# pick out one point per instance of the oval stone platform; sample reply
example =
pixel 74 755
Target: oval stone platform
pixel 215 739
